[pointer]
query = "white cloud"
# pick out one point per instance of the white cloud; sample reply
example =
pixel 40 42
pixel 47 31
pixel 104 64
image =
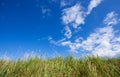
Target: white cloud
pixel 103 42
pixel 92 5
pixel 74 16
pixel 57 43
pixel 111 19
pixel 73 46
pixel 68 33
pixel 50 39
pixel 100 42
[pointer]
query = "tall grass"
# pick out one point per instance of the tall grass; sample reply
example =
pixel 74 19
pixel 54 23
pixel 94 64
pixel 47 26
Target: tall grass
pixel 61 67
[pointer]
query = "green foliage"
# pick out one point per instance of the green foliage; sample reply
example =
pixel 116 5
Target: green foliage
pixel 61 67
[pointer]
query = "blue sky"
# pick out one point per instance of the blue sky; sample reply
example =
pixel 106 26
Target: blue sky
pixel 59 27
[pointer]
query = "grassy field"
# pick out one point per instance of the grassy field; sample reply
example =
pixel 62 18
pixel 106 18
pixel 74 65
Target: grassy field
pixel 61 67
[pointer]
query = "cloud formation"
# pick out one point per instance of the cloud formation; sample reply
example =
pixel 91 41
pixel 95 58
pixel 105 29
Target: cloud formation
pixel 92 5
pixel 76 14
pixel 68 32
pixel 103 42
pixel 111 19
pixel 73 16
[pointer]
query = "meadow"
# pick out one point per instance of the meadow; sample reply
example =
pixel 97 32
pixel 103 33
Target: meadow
pixel 61 67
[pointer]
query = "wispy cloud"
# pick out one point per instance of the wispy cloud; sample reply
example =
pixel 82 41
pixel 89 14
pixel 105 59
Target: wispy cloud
pixel 103 42
pixel 68 32
pixel 72 45
pixel 111 19
pixel 57 43
pixel 92 5
pixel 73 16
pixel 76 14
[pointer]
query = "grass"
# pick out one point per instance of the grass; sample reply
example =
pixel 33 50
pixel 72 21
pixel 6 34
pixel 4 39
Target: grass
pixel 61 67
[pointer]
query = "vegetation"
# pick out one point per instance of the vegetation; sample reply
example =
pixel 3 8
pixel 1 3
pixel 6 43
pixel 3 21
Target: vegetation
pixel 61 67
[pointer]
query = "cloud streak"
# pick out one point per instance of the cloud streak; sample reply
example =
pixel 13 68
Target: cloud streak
pixel 92 5
pixel 111 19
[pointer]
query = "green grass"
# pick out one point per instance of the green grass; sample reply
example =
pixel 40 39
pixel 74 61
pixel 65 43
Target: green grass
pixel 61 67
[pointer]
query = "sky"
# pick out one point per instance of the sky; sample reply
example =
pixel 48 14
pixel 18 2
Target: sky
pixel 50 28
